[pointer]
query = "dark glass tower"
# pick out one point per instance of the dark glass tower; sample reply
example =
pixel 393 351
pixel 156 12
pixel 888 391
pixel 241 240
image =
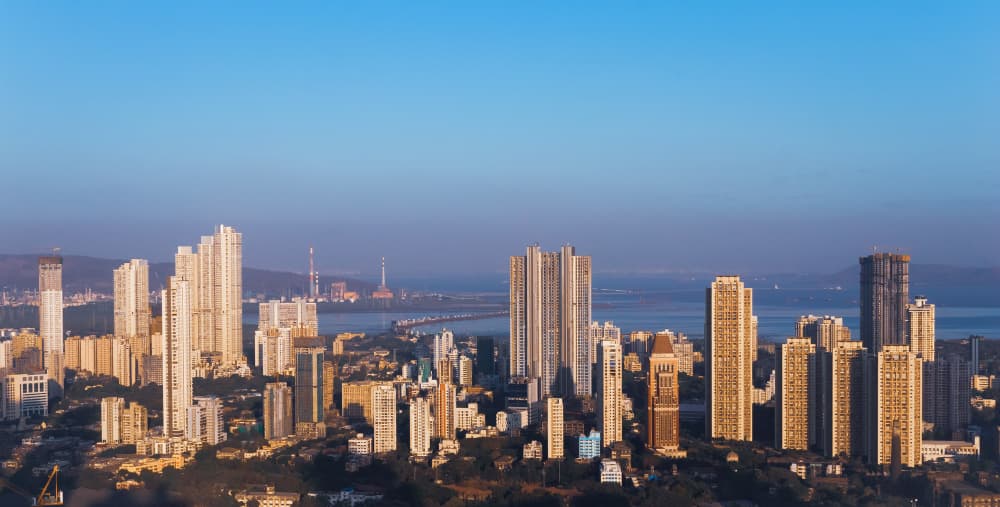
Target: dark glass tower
pixel 885 291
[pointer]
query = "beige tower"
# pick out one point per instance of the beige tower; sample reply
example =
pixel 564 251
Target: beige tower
pixel 825 332
pixel 550 304
pixel 843 415
pixel 384 413
pixel 609 392
pixel 132 311
pixel 728 358
pixel 177 382
pixel 663 404
pixel 920 328
pixel 795 409
pixel 444 406
pixel 554 429
pixel 112 408
pixel 894 410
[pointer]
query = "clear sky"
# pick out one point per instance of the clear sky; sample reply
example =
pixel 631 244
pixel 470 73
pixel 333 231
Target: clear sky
pixel 753 136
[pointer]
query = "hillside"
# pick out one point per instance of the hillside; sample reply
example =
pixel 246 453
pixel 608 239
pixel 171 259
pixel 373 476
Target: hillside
pixel 81 272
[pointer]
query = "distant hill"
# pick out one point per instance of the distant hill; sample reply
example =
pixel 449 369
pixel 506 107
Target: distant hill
pixel 81 272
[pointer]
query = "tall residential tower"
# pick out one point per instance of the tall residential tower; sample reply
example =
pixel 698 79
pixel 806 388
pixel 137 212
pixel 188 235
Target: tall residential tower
pixel 729 359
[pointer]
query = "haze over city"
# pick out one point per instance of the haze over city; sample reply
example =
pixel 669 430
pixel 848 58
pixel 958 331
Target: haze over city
pixel 448 135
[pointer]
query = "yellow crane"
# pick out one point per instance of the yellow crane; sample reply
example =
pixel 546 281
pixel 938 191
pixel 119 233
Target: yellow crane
pixel 46 497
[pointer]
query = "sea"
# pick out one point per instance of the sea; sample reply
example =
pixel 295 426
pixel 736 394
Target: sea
pixel 681 308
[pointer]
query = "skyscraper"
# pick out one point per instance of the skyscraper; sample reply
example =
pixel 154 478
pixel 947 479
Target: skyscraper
pixel 309 381
pixel 132 311
pixel 795 409
pixel 298 315
pixel 663 404
pixel 824 332
pixel 384 412
pixel 443 343
pixel 885 291
pixel 843 426
pixel 728 360
pixel 609 391
pixel 946 394
pixel 554 429
pixel 550 304
pixel 50 316
pixel 278 419
pixel 607 331
pixel 112 408
pixel 485 356
pixel 920 328
pixel 894 412
pixel 420 427
pixel 177 386
pixel 215 273
pixel 444 406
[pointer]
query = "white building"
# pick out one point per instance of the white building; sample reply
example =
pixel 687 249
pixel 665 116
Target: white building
pixel 384 415
pixel 177 382
pixel 50 315
pixel 112 409
pixel 25 395
pixel 204 421
pixel 421 427
pixel 920 328
pixel 611 472
pixel 532 450
pixel 443 343
pixel 360 445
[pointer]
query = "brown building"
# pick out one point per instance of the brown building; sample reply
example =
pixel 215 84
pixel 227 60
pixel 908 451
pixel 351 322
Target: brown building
pixel 664 401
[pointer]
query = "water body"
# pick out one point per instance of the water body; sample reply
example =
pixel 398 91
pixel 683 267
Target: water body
pixel 684 311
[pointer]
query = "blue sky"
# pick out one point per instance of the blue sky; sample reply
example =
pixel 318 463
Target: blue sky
pixel 447 135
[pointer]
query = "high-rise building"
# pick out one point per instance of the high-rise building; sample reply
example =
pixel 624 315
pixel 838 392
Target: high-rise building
pixel 920 328
pixel 639 342
pixel 824 332
pixel 112 409
pixel 550 303
pixel 215 273
pixel 946 394
pixel 309 380
pixel 356 400
pixel 885 291
pixel 384 413
pixel 124 364
pixel 278 417
pixel 728 358
pixel 50 316
pixel 464 371
pixel 177 381
pixel 298 315
pixel 843 414
pixel 329 384
pixel 683 350
pixel 444 342
pixel 135 423
pixel 554 428
pixel 795 409
pixel 486 363
pixel 663 404
pixel 600 332
pixel 894 421
pixel 420 427
pixel 974 343
pixel 444 407
pixel 205 423
pixel 131 310
pixel 609 391
pixel 273 350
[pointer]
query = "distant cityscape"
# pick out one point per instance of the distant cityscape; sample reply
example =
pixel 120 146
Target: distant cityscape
pixel 183 391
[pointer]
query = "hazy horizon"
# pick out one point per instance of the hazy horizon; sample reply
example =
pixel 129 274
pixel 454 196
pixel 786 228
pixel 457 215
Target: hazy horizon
pixel 786 137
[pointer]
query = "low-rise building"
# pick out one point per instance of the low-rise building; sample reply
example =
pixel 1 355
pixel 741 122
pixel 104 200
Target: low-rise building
pixel 589 446
pixel 266 496
pixel 611 472
pixel 533 450
pixel 949 450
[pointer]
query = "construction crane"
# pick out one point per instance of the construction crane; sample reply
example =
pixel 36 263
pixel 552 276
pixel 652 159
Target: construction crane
pixel 46 497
